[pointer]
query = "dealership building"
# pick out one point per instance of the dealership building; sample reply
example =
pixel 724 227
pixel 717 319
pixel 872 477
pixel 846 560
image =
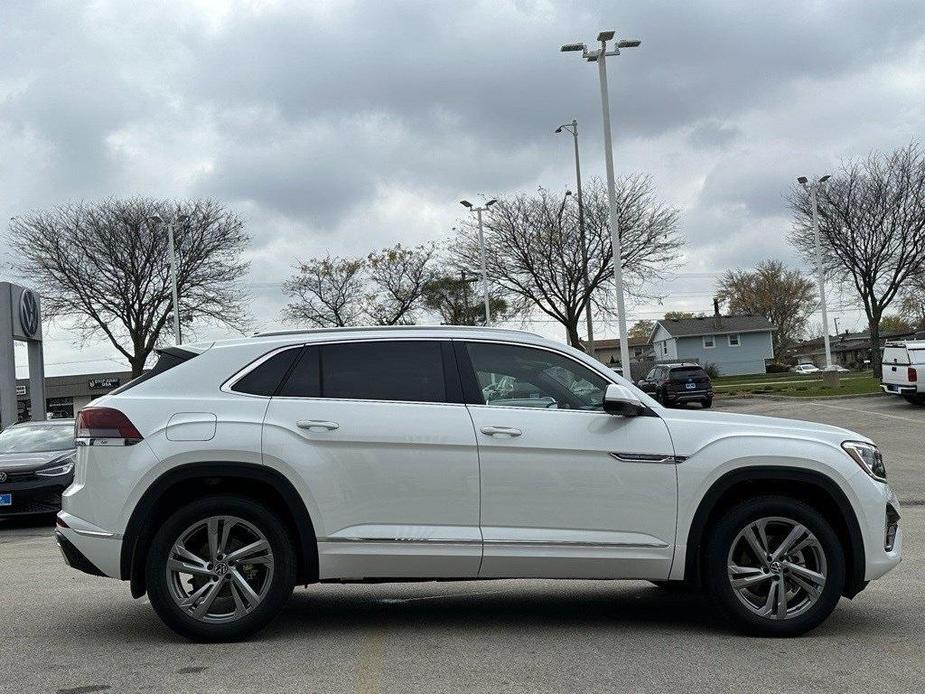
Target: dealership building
pixel 65 395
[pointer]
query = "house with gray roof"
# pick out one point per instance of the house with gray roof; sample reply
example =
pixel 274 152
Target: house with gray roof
pixel 735 344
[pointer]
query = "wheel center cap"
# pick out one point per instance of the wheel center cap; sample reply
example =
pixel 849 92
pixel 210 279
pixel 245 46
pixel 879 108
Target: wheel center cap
pixel 776 567
pixel 221 569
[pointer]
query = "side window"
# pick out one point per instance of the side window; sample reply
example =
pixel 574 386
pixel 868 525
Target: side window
pixel 266 377
pixel 387 370
pixel 512 376
pixel 733 339
pixel 304 379
pixel 651 375
pixel 709 341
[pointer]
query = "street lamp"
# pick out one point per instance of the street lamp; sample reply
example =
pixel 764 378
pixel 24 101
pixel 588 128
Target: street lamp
pixel 158 220
pixel 600 56
pixel 813 190
pixel 573 128
pixel 479 211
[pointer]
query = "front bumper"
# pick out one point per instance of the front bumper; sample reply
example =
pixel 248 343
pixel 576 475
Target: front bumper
pixel 33 495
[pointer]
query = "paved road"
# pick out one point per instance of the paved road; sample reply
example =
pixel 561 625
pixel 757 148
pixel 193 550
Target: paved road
pixel 895 425
pixel 62 631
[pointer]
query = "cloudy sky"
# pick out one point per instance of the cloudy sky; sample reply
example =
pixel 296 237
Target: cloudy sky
pixel 347 126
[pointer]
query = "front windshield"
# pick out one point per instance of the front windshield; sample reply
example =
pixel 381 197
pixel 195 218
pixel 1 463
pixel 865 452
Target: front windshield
pixel 36 438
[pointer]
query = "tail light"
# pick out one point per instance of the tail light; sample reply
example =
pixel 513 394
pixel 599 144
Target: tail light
pixel 913 375
pixel 105 426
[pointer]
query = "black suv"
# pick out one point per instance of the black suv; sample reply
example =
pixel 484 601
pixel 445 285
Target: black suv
pixel 673 384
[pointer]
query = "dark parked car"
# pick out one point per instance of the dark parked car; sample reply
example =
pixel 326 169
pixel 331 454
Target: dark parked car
pixel 674 384
pixel 36 465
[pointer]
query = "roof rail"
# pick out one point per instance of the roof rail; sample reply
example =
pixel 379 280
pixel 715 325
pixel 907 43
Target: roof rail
pixel 385 328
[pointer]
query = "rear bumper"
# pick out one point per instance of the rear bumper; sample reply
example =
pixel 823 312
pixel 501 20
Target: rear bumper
pixel 34 496
pixel 689 395
pixel 74 558
pixel 100 548
pixel 896 389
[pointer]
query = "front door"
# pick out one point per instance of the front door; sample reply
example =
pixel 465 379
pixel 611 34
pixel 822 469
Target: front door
pixel 385 454
pixel 568 491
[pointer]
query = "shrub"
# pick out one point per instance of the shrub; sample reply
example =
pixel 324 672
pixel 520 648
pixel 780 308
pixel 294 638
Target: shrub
pixel 711 369
pixel 776 368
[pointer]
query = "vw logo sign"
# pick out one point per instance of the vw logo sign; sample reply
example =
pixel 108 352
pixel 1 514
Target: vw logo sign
pixel 28 313
pixel 2 476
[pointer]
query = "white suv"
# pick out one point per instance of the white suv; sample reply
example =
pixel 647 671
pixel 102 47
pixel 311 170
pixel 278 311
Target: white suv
pixel 235 470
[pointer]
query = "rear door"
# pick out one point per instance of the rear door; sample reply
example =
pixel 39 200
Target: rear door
pixel 385 451
pixel 568 491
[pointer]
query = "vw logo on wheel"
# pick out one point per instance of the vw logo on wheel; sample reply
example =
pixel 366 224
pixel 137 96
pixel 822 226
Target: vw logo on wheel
pixel 28 313
pixel 2 476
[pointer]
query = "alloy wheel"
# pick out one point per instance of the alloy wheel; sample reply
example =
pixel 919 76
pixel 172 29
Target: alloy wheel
pixel 777 568
pixel 220 569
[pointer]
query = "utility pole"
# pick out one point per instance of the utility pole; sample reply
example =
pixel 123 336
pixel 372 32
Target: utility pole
pixel 813 189
pixel 600 56
pixel 157 220
pixel 573 128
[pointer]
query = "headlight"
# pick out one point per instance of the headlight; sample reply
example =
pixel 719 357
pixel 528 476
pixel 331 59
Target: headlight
pixel 868 457
pixel 61 467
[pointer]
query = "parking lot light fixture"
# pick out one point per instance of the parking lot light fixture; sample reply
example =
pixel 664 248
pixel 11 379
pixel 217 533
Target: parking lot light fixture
pixel 813 190
pixel 573 129
pixel 600 56
pixel 478 211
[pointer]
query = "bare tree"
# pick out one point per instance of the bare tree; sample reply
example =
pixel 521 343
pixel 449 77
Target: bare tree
pixel 534 251
pixel 872 228
pixel 399 278
pixel 783 296
pixel 327 292
pixel 106 267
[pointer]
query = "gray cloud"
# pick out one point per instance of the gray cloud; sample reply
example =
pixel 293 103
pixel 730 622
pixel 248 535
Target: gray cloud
pixel 349 126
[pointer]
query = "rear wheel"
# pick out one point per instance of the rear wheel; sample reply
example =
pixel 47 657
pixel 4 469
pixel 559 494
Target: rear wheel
pixel 914 398
pixel 220 569
pixel 774 566
pixel 707 404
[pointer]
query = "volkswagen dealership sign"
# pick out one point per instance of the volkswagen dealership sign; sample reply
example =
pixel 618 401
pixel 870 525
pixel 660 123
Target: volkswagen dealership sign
pixel 20 319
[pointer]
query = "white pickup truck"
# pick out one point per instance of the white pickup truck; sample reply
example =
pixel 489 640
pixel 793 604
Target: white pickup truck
pixel 904 370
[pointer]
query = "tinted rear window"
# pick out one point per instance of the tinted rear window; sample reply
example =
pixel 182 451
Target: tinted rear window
pixel 304 380
pixel 393 370
pixel 266 377
pixel 689 372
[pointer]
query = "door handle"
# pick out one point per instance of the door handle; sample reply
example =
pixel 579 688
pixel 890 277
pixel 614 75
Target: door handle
pixel 312 424
pixel 501 431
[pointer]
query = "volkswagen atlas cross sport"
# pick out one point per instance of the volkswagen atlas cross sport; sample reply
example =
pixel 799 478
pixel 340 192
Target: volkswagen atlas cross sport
pixel 235 470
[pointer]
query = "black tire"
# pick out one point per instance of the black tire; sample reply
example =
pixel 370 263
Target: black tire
pixel 660 396
pixel 914 398
pixel 716 557
pixel 277 592
pixel 707 404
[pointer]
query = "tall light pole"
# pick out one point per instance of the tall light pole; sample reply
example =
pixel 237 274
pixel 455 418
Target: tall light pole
pixel 600 56
pixel 813 190
pixel 157 220
pixel 479 211
pixel 573 128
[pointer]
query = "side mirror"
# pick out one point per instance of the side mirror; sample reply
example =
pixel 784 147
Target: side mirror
pixel 621 400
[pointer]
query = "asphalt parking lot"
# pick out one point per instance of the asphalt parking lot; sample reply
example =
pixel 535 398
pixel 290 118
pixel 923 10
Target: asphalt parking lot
pixel 62 631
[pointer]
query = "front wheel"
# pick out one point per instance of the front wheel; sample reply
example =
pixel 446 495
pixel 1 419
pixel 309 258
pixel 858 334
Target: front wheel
pixel 774 566
pixel 220 568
